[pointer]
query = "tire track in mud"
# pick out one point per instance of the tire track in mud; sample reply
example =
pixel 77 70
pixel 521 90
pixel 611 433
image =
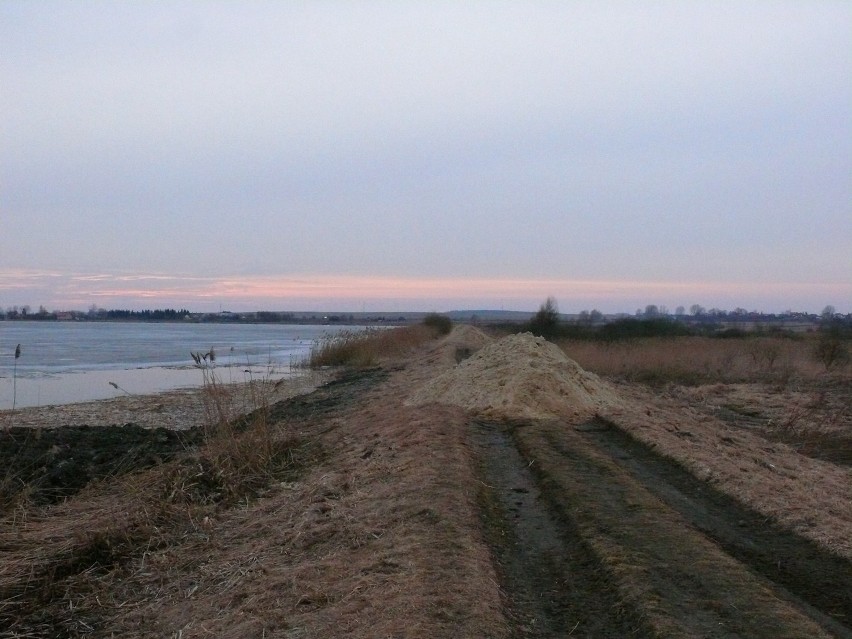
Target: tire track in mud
pixel 554 584
pixel 814 578
pixel 597 536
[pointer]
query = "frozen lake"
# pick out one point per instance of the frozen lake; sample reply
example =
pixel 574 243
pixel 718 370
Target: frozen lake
pixel 65 362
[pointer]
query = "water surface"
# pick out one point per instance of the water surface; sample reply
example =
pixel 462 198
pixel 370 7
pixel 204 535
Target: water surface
pixel 65 362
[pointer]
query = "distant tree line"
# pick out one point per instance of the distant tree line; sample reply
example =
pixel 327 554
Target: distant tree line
pixel 25 312
pixel 152 315
pixel 655 321
pixel 94 313
pixel 270 317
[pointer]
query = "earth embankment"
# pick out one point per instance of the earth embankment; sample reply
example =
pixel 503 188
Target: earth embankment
pixel 475 487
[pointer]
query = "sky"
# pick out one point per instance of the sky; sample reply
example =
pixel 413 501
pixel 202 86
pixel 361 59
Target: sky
pixel 426 155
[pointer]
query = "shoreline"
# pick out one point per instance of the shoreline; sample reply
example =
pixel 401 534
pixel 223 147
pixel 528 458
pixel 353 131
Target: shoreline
pixel 175 409
pixel 100 384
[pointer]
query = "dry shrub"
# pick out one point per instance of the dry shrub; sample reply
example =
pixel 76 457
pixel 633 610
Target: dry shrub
pixel 362 349
pixel 819 427
pixel 243 450
pixel 832 351
pixel 442 324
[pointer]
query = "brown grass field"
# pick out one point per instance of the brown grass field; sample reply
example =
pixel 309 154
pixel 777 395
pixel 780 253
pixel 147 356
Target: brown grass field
pixel 447 486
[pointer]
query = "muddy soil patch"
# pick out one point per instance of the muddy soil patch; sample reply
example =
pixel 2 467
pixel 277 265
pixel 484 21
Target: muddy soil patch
pixel 554 584
pixel 821 580
pixel 813 418
pixel 831 447
pixel 51 464
pixel 679 579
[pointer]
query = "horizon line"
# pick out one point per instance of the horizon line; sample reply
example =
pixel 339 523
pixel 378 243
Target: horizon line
pixel 70 290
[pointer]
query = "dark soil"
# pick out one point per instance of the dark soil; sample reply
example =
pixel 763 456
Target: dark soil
pixel 570 511
pixel 817 579
pixel 52 464
pixel 555 586
pixel 335 395
pixel 55 463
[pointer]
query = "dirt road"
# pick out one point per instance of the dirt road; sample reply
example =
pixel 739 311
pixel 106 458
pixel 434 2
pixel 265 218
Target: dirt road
pixel 597 536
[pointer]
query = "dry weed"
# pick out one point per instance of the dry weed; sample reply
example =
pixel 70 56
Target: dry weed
pixel 361 349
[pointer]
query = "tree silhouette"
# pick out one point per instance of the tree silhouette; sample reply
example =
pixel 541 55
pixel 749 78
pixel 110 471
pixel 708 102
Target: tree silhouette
pixel 545 323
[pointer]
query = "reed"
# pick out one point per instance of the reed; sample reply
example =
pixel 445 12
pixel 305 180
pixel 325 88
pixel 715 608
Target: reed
pixel 243 447
pixel 15 377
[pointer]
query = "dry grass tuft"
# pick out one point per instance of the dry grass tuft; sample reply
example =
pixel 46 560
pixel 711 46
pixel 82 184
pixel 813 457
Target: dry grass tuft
pixel 243 449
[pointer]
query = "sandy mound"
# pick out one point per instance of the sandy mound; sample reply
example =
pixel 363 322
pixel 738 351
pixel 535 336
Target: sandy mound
pixel 466 336
pixel 517 377
pixel 461 343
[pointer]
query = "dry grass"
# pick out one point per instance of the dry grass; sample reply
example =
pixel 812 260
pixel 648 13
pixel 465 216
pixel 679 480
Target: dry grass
pixel 119 518
pixel 775 386
pixel 698 360
pixel 363 534
pixel 361 349
pixel 358 516
pixel 122 519
pixel 243 450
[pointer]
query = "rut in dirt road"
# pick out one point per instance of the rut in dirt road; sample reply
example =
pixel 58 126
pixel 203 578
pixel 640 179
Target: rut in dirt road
pixel 664 546
pixel 555 586
pixel 820 580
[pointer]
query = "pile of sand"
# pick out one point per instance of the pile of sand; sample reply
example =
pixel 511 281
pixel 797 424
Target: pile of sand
pixel 519 377
pixel 466 337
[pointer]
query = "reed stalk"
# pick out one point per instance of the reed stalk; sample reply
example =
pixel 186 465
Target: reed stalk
pixel 15 377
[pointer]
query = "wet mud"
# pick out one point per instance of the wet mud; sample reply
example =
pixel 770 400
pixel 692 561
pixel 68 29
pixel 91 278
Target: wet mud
pixel 554 584
pixel 596 535
pixel 818 580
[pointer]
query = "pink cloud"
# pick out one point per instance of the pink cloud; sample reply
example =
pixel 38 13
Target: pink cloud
pixel 348 292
